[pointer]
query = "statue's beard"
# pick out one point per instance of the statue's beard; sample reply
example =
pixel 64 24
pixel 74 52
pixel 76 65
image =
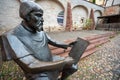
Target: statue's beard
pixel 38 26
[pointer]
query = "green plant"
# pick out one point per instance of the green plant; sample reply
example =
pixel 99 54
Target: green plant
pixel 94 1
pixel 87 25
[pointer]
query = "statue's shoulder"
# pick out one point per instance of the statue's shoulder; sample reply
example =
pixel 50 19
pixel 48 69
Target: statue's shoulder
pixel 11 32
pixel 12 46
pixel 6 40
pixel 10 36
pixel 5 35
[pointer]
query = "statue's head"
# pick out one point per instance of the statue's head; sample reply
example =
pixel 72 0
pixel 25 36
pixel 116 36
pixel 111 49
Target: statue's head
pixel 32 14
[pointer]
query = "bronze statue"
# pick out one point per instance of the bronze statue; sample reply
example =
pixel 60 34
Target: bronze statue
pixel 27 45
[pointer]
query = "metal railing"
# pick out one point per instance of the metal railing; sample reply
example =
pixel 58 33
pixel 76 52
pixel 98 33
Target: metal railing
pixel 108 26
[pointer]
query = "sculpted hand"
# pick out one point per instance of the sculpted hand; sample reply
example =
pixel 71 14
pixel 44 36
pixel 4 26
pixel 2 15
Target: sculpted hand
pixel 72 43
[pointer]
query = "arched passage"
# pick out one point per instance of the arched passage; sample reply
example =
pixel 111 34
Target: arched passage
pixel 79 14
pixel 51 11
pixel 97 13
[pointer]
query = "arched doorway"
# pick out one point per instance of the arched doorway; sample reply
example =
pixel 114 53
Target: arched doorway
pixel 97 13
pixel 79 15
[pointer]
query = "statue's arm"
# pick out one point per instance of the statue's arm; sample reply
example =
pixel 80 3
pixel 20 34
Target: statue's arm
pixel 32 65
pixel 27 61
pixel 56 43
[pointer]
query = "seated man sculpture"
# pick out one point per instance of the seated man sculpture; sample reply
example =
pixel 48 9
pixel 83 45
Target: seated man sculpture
pixel 27 45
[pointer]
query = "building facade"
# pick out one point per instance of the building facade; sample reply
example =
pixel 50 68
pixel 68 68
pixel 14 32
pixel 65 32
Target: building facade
pixel 110 20
pixel 58 14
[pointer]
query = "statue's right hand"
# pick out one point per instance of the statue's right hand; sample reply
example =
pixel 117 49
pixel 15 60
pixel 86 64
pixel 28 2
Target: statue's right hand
pixel 72 43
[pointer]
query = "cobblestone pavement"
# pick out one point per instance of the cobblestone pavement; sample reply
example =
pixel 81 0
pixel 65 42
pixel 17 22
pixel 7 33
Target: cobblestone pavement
pixel 104 64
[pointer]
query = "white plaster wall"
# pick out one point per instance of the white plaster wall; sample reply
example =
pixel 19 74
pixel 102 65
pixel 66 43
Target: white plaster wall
pixel 88 5
pixel 64 4
pixel 9 14
pixel 78 13
pixel 51 10
pixel 82 11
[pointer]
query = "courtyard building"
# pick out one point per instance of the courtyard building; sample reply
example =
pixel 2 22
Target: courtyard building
pixel 63 15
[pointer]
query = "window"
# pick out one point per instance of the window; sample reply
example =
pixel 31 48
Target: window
pixel 60 18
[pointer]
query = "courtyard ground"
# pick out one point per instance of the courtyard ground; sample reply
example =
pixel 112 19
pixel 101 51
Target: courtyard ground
pixel 104 64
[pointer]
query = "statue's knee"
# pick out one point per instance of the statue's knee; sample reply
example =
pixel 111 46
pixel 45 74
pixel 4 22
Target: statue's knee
pixel 71 69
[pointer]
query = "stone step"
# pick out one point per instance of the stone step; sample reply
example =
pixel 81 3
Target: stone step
pixel 93 37
pixel 58 51
pixel 98 40
pixel 101 42
pixel 86 53
pixel 94 40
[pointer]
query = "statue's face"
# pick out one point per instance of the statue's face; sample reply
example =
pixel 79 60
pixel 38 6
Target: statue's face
pixel 36 20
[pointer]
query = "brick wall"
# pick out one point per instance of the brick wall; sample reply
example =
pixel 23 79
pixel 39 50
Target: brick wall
pixel 112 10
